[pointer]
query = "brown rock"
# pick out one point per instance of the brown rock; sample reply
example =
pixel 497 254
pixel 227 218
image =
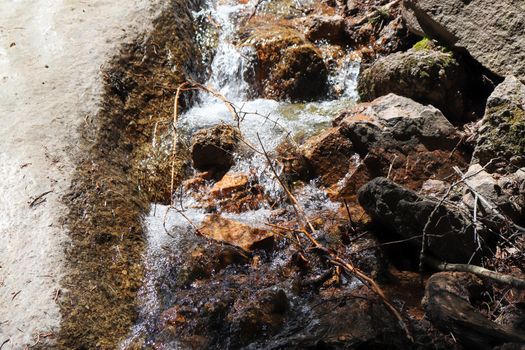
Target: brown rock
pixel 228 184
pixel 235 233
pixel 397 137
pixel 286 65
pixel 328 156
pixel 328 28
pixel 213 148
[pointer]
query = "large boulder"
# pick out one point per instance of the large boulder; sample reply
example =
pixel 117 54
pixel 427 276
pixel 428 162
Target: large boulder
pixel 451 235
pixel 501 139
pixel 491 31
pixel 397 137
pixel 286 65
pixel 425 75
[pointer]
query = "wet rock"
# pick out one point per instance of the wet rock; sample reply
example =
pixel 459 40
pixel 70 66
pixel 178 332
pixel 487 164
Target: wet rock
pixel 286 65
pixel 497 44
pixel 295 166
pixel 450 233
pixel 202 261
pixel 396 136
pixel 236 233
pixel 344 319
pixel 425 75
pixel 327 28
pixel 447 304
pixel 235 193
pixel 213 149
pixel 261 315
pixel 501 139
pixel 328 156
pixel 229 184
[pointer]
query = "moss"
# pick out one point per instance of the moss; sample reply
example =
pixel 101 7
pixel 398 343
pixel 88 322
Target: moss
pixel 112 189
pixel 504 135
pixel 427 44
pixel 423 44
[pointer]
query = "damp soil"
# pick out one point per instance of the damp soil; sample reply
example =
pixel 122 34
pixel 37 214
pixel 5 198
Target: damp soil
pixel 115 180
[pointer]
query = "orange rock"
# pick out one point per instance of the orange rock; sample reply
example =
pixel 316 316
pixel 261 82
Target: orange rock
pixel 235 233
pixel 228 184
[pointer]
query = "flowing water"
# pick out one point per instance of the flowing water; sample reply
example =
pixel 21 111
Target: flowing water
pixel 265 122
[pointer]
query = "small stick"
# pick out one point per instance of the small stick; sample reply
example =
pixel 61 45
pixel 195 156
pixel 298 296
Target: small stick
pixel 478 271
pixel 36 201
pixel 15 295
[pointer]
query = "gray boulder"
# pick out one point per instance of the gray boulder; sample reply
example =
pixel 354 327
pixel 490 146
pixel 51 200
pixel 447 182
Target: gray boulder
pixel 493 32
pixel 425 75
pixel 450 232
pixel 501 139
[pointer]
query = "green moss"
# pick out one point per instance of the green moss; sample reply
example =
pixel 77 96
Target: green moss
pixel 424 44
pixel 427 44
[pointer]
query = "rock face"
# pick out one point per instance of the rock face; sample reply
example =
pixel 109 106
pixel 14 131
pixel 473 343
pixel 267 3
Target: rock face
pixel 391 135
pixel 424 75
pixel 447 304
pixel 213 149
pixel 491 31
pixel 450 234
pixel 286 65
pixel 501 139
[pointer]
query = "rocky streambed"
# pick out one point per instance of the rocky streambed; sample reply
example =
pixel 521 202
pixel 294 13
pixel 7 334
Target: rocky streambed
pixel 332 175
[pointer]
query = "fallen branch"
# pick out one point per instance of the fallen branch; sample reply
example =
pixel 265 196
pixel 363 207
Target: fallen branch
pixel 478 271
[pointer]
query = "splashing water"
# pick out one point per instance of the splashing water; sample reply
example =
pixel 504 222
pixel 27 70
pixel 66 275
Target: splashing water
pixel 264 119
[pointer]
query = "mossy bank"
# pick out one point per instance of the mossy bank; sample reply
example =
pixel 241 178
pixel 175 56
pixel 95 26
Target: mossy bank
pixel 113 184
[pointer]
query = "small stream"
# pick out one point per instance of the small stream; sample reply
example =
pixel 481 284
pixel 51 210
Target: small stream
pixel 269 120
